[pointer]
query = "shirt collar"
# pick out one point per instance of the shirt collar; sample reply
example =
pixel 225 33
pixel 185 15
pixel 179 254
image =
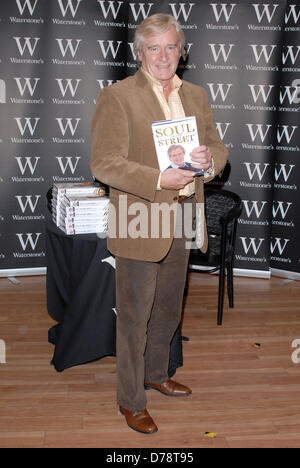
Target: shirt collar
pixel 177 82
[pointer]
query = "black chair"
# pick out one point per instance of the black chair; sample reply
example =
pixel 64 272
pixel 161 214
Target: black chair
pixel 49 199
pixel 223 208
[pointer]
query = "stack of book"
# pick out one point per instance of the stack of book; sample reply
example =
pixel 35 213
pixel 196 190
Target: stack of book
pixel 80 208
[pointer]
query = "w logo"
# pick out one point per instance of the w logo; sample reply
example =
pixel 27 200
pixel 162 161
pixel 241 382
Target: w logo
pixel 279 245
pixel 281 208
pixel 291 93
pixel 69 164
pixel 28 202
pixel 112 47
pixel 68 46
pixel 111 7
pixel 283 171
pixel 29 4
pixel 28 164
pixel 183 10
pixel 221 50
pixel 68 84
pixel 66 124
pixel 291 53
pixel 251 243
pixel 287 132
pixel 292 14
pixel 258 169
pixel 262 51
pixel 66 5
pixel 261 91
pixel 254 207
pixel 28 84
pixel 142 10
pixel 258 131
pixel 264 11
pixel 223 10
pixel 27 124
pixel 222 128
pixel 29 240
pixel 27 43
pixel 219 89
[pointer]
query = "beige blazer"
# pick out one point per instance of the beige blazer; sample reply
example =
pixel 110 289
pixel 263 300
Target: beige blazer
pixel 124 157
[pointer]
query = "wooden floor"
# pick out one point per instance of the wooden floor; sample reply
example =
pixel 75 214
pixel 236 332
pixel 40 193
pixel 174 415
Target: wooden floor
pixel 248 396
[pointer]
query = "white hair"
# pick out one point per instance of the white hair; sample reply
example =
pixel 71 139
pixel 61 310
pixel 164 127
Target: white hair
pixel 157 24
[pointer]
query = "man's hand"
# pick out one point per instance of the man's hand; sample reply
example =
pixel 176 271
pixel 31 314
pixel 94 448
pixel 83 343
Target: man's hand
pixel 176 179
pixel 202 156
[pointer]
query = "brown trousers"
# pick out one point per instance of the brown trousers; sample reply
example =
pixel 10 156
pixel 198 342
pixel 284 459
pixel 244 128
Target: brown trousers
pixel 149 309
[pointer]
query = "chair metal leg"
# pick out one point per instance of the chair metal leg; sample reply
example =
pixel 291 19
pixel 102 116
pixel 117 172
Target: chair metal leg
pixel 230 285
pixel 221 295
pixel 222 275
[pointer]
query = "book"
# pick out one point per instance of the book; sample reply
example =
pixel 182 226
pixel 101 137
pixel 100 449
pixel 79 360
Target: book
pixel 85 230
pixel 79 212
pixel 80 208
pixel 89 201
pixel 82 188
pixel 174 140
pixel 61 190
pixel 81 225
pixel 87 215
pixel 98 225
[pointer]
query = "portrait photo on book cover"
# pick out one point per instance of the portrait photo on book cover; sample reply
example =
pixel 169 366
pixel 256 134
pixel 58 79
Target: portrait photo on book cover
pixel 178 159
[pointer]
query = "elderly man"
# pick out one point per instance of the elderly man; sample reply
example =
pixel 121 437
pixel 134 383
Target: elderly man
pixel 150 270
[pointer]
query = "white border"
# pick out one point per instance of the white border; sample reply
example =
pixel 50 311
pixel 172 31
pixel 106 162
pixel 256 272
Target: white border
pixel 23 272
pixel 237 272
pixel 285 274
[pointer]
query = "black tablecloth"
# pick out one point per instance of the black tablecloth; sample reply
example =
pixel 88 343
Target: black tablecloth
pixel 81 298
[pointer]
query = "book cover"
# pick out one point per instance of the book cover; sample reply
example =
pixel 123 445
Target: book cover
pixel 174 141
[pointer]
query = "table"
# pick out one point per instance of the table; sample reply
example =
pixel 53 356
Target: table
pixel 81 298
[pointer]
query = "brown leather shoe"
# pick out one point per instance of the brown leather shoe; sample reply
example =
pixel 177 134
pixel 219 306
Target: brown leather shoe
pixel 170 388
pixel 140 422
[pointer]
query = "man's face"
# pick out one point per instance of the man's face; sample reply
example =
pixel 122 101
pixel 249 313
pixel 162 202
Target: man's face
pixel 177 156
pixel 160 55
